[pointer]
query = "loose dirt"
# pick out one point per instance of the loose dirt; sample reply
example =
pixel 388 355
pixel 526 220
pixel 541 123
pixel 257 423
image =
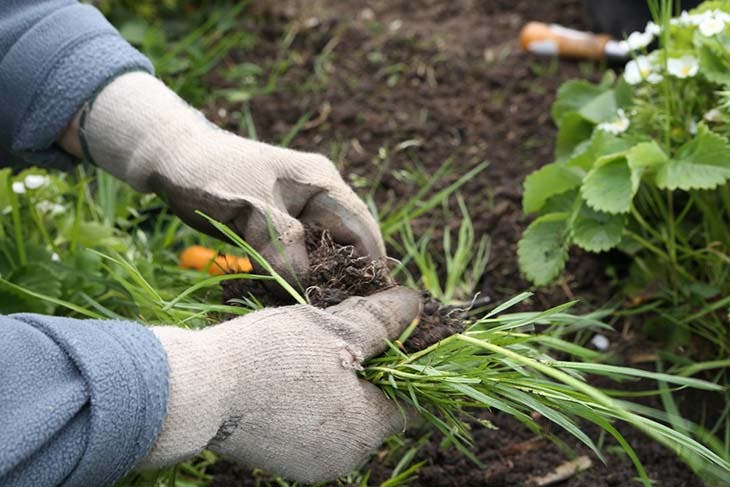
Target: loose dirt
pixel 336 273
pixel 403 84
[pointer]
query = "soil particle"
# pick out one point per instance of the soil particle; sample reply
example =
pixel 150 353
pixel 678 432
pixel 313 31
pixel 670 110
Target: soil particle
pixel 435 323
pixel 336 272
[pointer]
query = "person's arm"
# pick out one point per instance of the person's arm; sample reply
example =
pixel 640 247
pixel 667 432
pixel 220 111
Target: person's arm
pixel 58 55
pixel 54 55
pixel 82 402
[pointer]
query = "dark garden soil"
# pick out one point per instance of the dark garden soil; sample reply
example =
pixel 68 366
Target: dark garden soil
pixel 400 84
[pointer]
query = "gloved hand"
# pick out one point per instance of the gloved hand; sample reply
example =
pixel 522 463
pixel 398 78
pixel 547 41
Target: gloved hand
pixel 143 133
pixel 277 389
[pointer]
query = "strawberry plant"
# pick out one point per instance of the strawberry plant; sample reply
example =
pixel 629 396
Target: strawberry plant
pixel 642 164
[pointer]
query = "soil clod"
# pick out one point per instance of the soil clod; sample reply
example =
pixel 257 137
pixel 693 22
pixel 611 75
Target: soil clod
pixel 336 273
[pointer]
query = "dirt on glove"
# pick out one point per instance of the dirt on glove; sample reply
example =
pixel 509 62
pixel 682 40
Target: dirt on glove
pixel 336 273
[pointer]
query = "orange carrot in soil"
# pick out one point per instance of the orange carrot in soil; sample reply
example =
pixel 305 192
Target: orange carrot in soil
pixel 202 258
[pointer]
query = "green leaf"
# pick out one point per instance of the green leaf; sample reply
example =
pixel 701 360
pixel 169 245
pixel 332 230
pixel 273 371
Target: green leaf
pixel 646 155
pixel 624 93
pixel 547 181
pixel 4 198
pixel 561 203
pixel 573 130
pixel 93 234
pixel 702 163
pixel 572 96
pixel 543 248
pixel 609 187
pixel 713 67
pixel 134 31
pixel 38 278
pixel 596 231
pixel 601 144
pixel 644 158
pixel 601 108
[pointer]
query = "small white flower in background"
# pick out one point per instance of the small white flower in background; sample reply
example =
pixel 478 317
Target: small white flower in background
pixel 684 67
pixel 692 126
pixel 722 15
pixel 18 187
pixel 652 29
pixel 684 19
pixel 35 181
pixel 640 69
pixel 600 342
pixel 711 26
pixel 55 257
pixel 618 126
pixel 7 210
pixel 50 208
pixel 713 116
pixel 639 40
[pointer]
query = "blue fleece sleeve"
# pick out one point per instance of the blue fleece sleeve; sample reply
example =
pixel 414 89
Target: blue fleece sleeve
pixel 54 54
pixel 81 401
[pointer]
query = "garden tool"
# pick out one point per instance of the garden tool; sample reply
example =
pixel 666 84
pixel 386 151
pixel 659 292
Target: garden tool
pixel 556 40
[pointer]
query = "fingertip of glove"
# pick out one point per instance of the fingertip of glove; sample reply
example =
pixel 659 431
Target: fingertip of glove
pixel 406 303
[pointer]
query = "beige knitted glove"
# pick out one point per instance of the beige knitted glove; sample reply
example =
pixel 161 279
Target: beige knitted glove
pixel 277 389
pixel 143 133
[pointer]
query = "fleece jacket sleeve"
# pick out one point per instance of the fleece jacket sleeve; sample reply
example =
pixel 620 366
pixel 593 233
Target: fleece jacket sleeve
pixel 81 401
pixel 54 55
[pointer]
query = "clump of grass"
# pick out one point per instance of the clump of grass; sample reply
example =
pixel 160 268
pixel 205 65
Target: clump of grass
pixel 495 364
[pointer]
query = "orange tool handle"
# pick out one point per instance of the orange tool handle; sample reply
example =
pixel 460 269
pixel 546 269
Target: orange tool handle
pixel 202 258
pixel 556 40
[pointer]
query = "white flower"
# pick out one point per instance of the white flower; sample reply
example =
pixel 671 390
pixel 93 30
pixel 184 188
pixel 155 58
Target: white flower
pixel 35 181
pixel 600 342
pixel 652 28
pixel 6 210
pixel 711 26
pixel 639 40
pixel 55 257
pixel 50 208
pixel 692 126
pixel 640 69
pixel 684 19
pixel 618 126
pixel 18 187
pixel 684 67
pixel 713 116
pixel 722 15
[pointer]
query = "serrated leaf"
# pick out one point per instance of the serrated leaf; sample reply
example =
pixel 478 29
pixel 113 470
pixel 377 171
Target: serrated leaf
pixel 608 187
pixel 596 231
pixel 561 203
pixel 572 96
pixel 646 155
pixel 601 144
pixel 702 163
pixel 543 248
pixel 644 158
pixel 547 181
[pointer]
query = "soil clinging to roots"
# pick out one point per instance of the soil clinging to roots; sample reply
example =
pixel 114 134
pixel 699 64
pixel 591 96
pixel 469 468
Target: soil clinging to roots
pixel 336 273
